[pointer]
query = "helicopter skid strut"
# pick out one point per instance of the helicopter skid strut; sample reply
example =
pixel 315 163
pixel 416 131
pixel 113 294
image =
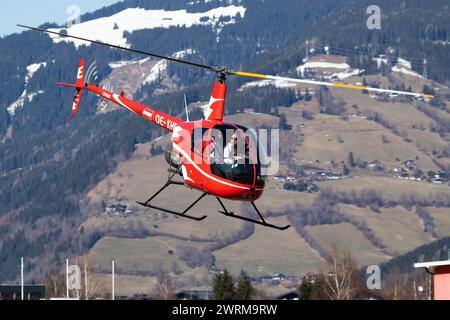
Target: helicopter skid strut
pixel 172 173
pixel 181 214
pixel 260 222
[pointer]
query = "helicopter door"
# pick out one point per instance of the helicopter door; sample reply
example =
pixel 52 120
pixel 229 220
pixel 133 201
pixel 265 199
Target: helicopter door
pixel 202 144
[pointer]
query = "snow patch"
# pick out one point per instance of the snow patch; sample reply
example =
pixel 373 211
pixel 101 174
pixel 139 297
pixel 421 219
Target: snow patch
pixel 379 60
pixel 21 101
pixel 183 53
pixel 404 63
pixel 124 63
pixel 191 3
pixel 264 83
pixel 31 70
pixel 156 72
pixel 346 73
pixel 404 66
pixel 322 65
pixel 133 19
pixel 406 71
pixel 161 66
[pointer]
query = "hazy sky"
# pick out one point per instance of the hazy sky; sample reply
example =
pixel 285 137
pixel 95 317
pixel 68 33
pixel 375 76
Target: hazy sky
pixel 35 13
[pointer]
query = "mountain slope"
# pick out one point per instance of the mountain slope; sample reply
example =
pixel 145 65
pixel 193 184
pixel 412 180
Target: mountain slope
pixel 48 165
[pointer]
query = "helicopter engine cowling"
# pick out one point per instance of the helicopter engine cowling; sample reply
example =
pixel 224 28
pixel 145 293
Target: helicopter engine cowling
pixel 172 157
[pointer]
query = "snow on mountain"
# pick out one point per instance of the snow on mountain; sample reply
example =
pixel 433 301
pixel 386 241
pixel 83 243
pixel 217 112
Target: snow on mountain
pixel 31 70
pixel 379 60
pixel 182 54
pixel 156 72
pixel 191 3
pixel 404 66
pixel 161 66
pixel 347 70
pixel 347 73
pixel 21 101
pixel 111 29
pixel 123 63
pixel 263 83
pixel 406 71
pixel 404 63
pixel 323 65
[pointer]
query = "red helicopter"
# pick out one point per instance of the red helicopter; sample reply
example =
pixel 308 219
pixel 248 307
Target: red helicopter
pixel 198 152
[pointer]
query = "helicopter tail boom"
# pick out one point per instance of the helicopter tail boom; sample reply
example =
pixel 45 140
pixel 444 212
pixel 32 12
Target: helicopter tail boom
pixel 163 120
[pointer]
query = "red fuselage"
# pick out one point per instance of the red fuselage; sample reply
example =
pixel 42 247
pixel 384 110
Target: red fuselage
pixel 241 182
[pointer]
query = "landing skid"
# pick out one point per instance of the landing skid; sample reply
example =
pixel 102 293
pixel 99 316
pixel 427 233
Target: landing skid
pixel 181 214
pixel 184 214
pixel 260 222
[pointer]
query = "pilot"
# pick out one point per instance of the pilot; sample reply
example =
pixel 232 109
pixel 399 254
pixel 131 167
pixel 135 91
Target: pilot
pixel 230 153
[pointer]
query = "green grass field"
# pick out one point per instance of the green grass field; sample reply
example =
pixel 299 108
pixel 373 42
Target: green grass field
pixel 346 237
pixel 126 285
pixel 329 138
pixel 399 229
pixel 134 254
pixel 403 115
pixel 268 251
pixel 441 218
pixel 388 188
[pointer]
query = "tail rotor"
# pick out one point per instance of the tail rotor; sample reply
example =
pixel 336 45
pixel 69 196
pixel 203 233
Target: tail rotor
pixel 92 74
pixel 79 86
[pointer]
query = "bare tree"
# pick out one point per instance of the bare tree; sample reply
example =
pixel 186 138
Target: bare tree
pixel 56 284
pixel 397 286
pixel 92 286
pixel 338 274
pixel 164 287
pixel 429 289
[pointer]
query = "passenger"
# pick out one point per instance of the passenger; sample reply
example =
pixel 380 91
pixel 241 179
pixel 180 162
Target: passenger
pixel 215 153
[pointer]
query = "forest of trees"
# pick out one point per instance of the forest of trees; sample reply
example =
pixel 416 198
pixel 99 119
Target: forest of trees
pixel 225 288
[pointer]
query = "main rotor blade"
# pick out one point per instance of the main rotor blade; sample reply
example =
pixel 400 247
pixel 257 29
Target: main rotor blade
pixel 122 48
pixel 226 71
pixel 330 84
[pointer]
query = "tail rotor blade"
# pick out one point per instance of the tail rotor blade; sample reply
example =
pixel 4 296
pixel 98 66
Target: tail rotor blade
pixel 92 74
pixel 76 103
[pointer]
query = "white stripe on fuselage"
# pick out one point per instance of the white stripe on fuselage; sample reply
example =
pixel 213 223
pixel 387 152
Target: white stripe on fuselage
pixel 185 175
pixel 116 97
pixel 179 149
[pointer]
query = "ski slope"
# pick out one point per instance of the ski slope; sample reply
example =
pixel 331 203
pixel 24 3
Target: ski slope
pixel 111 29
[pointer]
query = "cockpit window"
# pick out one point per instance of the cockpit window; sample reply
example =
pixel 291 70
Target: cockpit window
pixel 234 154
pixel 232 151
